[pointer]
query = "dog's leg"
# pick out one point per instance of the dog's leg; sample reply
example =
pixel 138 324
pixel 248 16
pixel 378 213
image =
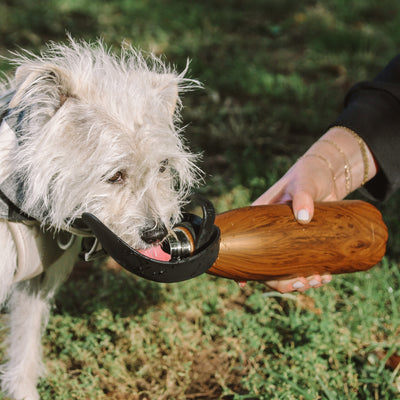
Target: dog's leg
pixel 13 380
pixel 28 315
pixel 29 311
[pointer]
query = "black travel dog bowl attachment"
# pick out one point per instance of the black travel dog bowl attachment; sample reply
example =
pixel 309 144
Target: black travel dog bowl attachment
pixel 194 247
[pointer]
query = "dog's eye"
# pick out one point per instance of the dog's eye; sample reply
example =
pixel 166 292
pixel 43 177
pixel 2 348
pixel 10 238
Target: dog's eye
pixel 118 177
pixel 163 165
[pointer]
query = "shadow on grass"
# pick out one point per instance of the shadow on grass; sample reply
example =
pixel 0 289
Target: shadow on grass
pixel 92 287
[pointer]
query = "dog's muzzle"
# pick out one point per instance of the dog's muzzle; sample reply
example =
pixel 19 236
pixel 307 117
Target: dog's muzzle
pixel 193 246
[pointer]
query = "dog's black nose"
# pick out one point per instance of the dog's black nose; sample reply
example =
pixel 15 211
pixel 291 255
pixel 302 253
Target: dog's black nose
pixel 154 235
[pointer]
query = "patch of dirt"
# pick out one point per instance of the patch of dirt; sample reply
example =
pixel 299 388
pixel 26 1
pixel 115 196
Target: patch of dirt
pixel 211 370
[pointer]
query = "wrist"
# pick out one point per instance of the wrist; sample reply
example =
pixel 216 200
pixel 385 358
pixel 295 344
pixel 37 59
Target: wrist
pixel 348 158
pixel 361 159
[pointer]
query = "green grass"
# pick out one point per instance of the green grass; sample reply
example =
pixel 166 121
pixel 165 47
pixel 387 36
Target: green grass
pixel 275 73
pixel 115 336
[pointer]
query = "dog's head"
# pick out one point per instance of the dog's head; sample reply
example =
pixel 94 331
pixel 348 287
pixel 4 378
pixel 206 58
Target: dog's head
pixel 98 133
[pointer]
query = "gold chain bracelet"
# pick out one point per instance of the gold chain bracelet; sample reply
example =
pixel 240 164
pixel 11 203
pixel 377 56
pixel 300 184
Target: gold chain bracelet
pixel 363 150
pixel 347 168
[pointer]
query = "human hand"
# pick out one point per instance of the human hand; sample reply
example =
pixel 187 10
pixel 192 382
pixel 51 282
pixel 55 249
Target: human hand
pixel 338 163
pixel 308 180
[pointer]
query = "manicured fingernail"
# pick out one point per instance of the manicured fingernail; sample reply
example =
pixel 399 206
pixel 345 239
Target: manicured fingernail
pixel 303 215
pixel 298 285
pixel 314 282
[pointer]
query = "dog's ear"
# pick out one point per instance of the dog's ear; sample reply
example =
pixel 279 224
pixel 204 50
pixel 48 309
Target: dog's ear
pixel 34 80
pixel 170 95
pixel 167 86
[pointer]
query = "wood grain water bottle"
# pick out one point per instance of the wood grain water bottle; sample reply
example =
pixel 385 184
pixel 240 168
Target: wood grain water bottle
pixel 266 242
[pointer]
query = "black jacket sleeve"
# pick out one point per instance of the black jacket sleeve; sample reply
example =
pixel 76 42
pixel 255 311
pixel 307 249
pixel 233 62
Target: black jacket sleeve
pixel 372 110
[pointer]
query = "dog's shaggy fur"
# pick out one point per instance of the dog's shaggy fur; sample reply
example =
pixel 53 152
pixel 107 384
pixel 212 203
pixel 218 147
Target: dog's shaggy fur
pixel 98 134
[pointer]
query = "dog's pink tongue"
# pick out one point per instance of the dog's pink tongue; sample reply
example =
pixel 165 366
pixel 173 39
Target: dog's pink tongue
pixel 157 253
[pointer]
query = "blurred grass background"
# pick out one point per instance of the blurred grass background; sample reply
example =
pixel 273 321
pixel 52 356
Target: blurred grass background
pixel 275 73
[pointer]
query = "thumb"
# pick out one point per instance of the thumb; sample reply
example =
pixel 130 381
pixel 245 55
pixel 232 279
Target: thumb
pixel 303 207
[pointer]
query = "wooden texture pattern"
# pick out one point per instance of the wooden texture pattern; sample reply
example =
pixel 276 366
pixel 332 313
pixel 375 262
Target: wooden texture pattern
pixel 266 242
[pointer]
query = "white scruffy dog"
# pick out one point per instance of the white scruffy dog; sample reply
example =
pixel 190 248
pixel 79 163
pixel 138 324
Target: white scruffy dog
pixel 82 130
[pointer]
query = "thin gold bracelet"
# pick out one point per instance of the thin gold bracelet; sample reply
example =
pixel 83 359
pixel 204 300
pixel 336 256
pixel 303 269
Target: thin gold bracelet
pixel 347 168
pixel 327 162
pixel 363 150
